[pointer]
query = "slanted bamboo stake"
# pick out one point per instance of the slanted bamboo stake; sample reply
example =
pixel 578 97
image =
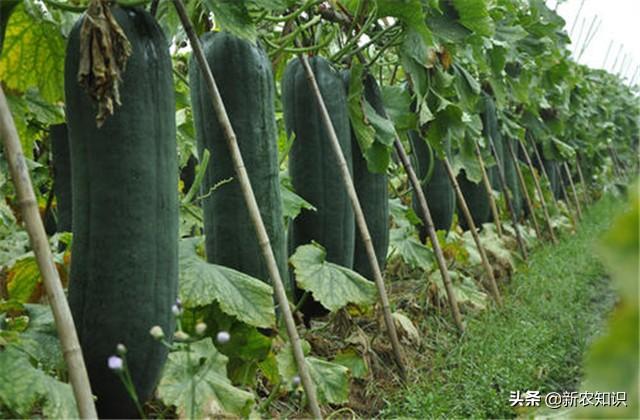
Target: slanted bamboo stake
pixel 252 207
pixel 614 162
pixel 431 231
pixel 523 185
pixel 508 197
pixel 615 62
pixel 462 202
pixel 573 189
pixel 585 190
pixel 606 56
pixel 489 189
pixel 543 202
pixel 544 171
pixel 359 214
pixel 38 238
pixel 565 194
pixel 575 20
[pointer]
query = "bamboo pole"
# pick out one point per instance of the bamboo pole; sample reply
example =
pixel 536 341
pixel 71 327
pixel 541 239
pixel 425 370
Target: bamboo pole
pixel 431 232
pixel 615 62
pixel 585 189
pixel 508 197
pixel 579 48
pixel 493 286
pixel 606 55
pixel 254 211
pixel 489 189
pixel 359 214
pixel 523 185
pixel 38 238
pixel 589 39
pixel 573 26
pixel 565 194
pixel 573 189
pixel 546 174
pixel 543 201
pixel 582 25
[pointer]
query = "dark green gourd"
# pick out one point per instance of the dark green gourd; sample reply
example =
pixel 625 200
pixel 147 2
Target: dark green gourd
pixel 477 201
pixel 124 267
pixel 243 74
pixel 437 188
pixel 61 175
pixel 490 124
pixel 371 189
pixel 314 168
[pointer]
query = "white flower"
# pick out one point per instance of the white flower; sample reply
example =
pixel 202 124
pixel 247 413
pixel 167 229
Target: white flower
pixel 177 310
pixel 156 332
pixel 295 380
pixel 223 337
pixel 181 336
pixel 201 327
pixel 121 350
pixel 115 363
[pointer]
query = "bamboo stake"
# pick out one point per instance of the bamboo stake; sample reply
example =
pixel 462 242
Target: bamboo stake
pixel 582 25
pixel 543 202
pixel 565 194
pixel 589 39
pixel 489 189
pixel 573 189
pixel 431 231
pixel 254 211
pixel 579 48
pixel 359 214
pixel 546 174
pixel 615 62
pixel 508 197
pixel 585 189
pixel 38 238
pixel 606 56
pixel 573 26
pixel 523 185
pixel 493 286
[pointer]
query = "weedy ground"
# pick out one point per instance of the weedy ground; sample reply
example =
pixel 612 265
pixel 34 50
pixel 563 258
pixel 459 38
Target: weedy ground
pixel 553 307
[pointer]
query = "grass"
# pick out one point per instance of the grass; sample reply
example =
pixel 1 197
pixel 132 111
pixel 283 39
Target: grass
pixel 553 308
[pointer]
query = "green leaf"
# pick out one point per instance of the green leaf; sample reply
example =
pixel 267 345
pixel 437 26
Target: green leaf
pixel 475 16
pixel 365 133
pixel 202 368
pixel 354 362
pixel 464 289
pixel 385 131
pixel 332 285
pixel 404 242
pixel 23 387
pixel 232 16
pixel 240 295
pixel 33 55
pixel 397 103
pixel 292 203
pixel 409 12
pixel 331 379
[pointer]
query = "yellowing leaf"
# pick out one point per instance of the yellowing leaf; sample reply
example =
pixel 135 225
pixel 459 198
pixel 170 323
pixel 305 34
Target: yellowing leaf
pixel 33 55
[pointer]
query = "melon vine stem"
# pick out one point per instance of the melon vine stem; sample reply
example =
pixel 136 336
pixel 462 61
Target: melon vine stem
pixel 359 215
pixel 57 299
pixel 525 191
pixel 252 207
pixel 573 189
pixel 431 232
pixel 493 285
pixel 489 189
pixel 543 202
pixel 508 198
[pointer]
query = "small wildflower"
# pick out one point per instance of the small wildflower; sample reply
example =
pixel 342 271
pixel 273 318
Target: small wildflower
pixel 181 336
pixel 121 350
pixel 223 337
pixel 156 332
pixel 295 380
pixel 201 327
pixel 115 363
pixel 177 310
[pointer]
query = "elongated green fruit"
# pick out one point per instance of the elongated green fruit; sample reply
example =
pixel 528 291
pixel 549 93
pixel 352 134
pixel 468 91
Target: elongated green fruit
pixel 243 73
pixel 437 189
pixel 490 125
pixel 477 200
pixel 61 175
pixel 313 167
pixel 371 189
pixel 124 267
